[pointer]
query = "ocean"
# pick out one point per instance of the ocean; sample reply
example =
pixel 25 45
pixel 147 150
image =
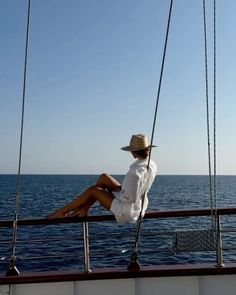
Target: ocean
pixel 57 247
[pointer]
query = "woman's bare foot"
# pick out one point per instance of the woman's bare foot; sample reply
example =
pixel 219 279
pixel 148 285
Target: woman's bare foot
pixel 76 213
pixel 57 214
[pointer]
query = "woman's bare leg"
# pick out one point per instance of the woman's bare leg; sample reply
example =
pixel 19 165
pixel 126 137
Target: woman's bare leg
pixel 84 201
pixel 106 181
pixel 81 211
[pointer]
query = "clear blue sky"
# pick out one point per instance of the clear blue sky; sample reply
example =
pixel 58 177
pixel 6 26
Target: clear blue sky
pixel 93 71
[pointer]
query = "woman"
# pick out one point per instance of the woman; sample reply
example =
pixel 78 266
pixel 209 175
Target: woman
pixel 124 201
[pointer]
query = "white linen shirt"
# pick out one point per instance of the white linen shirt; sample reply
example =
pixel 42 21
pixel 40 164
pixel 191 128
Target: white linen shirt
pixel 136 183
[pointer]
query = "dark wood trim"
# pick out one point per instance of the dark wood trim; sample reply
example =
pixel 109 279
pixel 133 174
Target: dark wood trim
pixel 109 217
pixel 111 273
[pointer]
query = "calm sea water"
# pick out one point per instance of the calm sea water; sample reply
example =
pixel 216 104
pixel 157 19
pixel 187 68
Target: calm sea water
pixel 110 243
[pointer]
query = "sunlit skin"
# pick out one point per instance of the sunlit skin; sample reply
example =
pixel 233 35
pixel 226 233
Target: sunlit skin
pixel 101 192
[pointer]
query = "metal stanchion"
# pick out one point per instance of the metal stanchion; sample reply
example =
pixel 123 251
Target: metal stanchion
pixel 219 254
pixel 86 248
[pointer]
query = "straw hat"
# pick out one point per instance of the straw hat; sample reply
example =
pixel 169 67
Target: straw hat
pixel 137 142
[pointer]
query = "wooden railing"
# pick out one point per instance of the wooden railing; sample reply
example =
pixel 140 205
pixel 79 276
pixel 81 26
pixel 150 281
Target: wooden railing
pixel 149 215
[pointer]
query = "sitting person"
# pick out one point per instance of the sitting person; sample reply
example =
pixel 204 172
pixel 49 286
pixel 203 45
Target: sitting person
pixel 123 200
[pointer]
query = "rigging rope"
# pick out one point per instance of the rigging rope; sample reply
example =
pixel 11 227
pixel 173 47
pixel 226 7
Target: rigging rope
pixel 207 239
pixel 215 188
pixel 12 270
pixel 212 184
pixel 134 255
pixel 212 191
pixel 207 109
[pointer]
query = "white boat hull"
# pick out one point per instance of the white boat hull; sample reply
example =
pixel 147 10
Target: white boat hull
pixel 183 285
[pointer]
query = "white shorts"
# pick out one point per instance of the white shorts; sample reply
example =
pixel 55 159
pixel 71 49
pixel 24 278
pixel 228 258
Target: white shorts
pixel 122 211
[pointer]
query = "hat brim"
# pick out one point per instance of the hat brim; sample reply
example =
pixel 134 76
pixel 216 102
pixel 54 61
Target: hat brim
pixel 130 149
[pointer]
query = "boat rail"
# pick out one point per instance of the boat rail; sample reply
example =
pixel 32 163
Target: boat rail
pixel 151 215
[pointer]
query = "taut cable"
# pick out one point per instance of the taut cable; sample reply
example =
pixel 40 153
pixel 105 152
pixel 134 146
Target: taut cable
pixel 207 113
pixel 12 269
pixel 134 264
pixel 214 183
